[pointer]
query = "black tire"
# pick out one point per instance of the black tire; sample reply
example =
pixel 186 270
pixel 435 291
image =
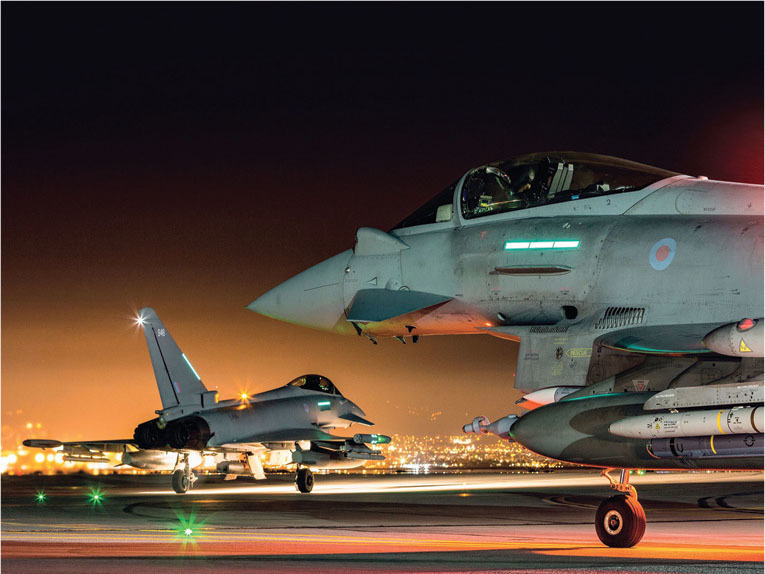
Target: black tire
pixel 181 482
pixel 304 480
pixel 620 521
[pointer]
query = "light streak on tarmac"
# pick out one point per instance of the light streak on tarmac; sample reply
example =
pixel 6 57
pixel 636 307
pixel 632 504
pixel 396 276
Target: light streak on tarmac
pixel 447 483
pixel 470 522
pixel 222 543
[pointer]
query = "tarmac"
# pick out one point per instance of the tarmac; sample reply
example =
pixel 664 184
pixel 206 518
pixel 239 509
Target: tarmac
pixel 472 522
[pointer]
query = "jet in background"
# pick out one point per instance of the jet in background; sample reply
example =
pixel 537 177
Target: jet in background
pixel 635 293
pixel 292 422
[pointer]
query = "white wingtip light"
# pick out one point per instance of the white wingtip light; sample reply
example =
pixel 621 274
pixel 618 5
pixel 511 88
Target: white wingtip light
pixel 139 320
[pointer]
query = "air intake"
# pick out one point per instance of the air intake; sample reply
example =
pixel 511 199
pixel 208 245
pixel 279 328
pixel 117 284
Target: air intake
pixel 615 317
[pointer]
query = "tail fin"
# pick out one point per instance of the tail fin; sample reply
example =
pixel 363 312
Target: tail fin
pixel 177 381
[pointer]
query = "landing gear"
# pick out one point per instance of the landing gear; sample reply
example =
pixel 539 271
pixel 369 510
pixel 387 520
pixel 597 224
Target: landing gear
pixel 180 482
pixel 304 480
pixel 183 477
pixel 620 520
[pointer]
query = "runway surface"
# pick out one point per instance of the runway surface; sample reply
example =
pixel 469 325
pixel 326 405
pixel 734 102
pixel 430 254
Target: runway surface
pixel 488 522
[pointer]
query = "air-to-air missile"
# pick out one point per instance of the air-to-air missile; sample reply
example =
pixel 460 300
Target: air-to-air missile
pixel 738 420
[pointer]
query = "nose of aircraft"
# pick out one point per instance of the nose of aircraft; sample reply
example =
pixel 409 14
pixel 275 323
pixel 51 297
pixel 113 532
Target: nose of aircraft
pixel 313 298
pixel 356 409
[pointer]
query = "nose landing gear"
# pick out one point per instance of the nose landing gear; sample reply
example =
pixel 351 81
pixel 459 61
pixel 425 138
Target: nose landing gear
pixel 183 477
pixel 620 520
pixel 304 480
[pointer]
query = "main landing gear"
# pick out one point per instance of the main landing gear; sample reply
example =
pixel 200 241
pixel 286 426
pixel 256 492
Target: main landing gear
pixel 183 477
pixel 620 520
pixel 304 480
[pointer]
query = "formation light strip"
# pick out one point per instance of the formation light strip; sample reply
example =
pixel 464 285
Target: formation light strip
pixel 542 245
pixel 190 367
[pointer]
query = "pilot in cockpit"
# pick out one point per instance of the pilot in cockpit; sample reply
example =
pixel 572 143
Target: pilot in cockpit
pixel 491 190
pixel 523 179
pixel 514 187
pixel 315 383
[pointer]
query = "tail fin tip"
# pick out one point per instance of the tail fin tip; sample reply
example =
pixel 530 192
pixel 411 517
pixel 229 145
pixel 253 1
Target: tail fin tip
pixel 177 380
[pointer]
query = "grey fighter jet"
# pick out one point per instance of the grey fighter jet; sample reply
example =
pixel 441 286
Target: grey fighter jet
pixel 635 294
pixel 292 420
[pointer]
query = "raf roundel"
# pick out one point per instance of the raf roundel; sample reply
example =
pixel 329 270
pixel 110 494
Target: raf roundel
pixel 662 253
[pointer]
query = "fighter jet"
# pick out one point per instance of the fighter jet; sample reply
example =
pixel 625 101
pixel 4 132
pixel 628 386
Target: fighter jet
pixel 292 422
pixel 635 294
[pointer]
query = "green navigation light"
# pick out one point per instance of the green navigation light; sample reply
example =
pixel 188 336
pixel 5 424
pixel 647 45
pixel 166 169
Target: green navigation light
pixel 40 497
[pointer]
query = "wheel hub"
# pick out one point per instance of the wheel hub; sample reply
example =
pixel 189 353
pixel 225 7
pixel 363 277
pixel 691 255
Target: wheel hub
pixel 613 522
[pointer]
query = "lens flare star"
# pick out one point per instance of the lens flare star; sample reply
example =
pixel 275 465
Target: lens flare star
pixel 188 528
pixel 96 496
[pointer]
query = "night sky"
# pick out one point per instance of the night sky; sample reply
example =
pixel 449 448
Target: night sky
pixel 189 157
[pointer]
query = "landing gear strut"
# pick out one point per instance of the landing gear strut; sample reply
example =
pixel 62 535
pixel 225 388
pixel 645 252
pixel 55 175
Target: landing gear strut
pixel 183 477
pixel 620 520
pixel 304 480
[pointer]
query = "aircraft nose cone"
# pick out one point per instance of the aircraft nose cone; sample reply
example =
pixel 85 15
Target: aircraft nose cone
pixel 357 409
pixel 313 298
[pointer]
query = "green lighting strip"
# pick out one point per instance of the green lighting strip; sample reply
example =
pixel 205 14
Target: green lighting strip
pixel 190 367
pixel 555 244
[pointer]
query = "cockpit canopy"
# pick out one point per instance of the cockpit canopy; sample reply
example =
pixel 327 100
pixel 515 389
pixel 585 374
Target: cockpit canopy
pixel 536 179
pixel 315 383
